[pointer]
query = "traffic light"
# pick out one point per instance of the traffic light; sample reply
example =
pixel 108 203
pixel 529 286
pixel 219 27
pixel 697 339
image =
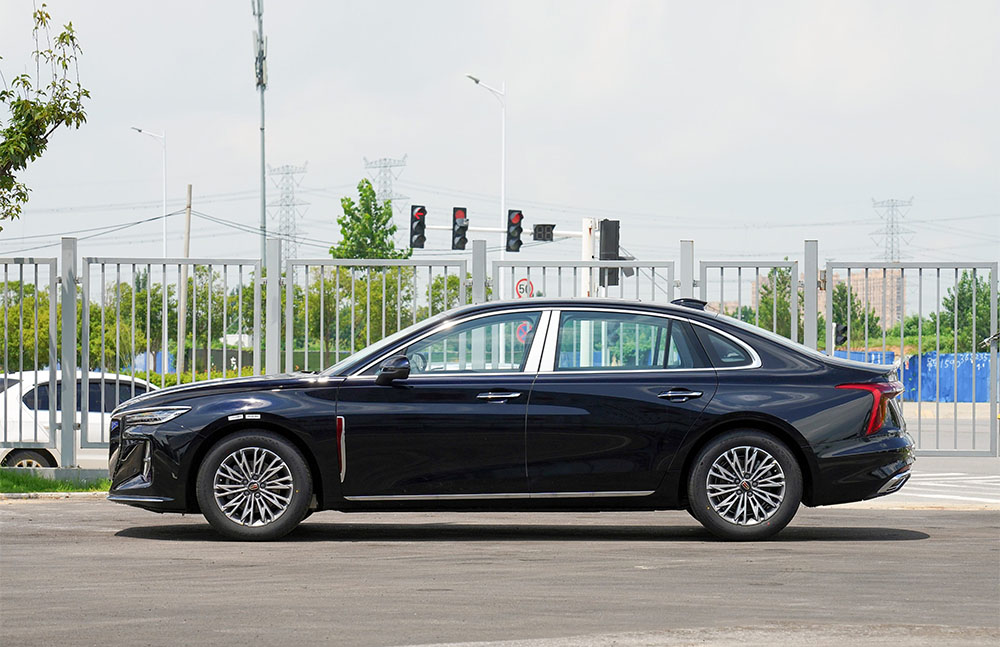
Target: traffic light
pixel 514 219
pixel 609 231
pixel 459 227
pixel 418 222
pixel 543 232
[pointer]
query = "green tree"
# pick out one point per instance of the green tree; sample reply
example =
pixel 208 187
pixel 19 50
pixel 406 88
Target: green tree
pixel 857 315
pixel 36 107
pixel 957 306
pixel 366 227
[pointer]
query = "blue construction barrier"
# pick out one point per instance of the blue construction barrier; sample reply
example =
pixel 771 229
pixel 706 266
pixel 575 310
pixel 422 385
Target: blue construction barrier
pixel 872 356
pixel 922 378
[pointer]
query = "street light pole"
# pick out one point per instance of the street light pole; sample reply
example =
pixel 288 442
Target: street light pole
pixel 501 96
pixel 163 142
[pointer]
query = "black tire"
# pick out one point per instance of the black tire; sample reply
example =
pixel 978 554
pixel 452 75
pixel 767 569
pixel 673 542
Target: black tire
pixel 254 510
pixel 27 458
pixel 770 495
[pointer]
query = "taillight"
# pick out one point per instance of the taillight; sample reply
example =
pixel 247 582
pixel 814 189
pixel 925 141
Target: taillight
pixel 881 392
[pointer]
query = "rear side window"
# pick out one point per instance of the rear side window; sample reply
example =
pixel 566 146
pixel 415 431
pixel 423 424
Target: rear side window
pixel 725 352
pixel 613 341
pixel 7 382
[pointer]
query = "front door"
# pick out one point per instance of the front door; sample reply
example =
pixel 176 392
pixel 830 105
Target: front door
pixel 609 412
pixel 455 428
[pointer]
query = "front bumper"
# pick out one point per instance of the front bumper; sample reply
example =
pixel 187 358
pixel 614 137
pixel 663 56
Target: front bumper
pixel 147 470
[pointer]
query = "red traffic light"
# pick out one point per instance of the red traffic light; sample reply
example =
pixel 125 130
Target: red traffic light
pixel 458 213
pixel 515 217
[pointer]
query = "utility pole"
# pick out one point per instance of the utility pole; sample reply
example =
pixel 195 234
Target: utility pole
pixel 182 297
pixel 260 66
pixel 285 180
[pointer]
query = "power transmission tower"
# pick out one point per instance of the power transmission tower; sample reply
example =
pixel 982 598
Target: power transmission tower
pixel 384 176
pixel 891 234
pixel 286 208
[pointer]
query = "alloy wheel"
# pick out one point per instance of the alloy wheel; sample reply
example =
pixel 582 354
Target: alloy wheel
pixel 745 485
pixel 253 486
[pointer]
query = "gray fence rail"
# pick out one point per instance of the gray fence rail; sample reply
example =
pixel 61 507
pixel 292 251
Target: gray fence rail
pixel 138 323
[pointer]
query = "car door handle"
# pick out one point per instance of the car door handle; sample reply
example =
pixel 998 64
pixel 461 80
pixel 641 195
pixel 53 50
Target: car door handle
pixel 679 395
pixel 496 395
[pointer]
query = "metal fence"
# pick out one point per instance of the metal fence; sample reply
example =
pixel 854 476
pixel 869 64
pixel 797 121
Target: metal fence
pixel 934 315
pixel 137 322
pixel 156 322
pixel 30 347
pixel 640 280
pixel 346 305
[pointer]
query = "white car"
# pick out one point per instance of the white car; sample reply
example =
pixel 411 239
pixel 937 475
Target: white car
pixel 25 416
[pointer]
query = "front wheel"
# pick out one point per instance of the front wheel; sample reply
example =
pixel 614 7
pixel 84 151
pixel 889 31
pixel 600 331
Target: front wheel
pixel 254 486
pixel 745 485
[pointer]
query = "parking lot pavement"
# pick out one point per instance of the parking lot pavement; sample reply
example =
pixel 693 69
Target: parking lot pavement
pixel 969 483
pixel 88 572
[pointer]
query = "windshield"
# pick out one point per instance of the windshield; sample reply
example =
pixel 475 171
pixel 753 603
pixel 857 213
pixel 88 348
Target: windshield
pixel 381 345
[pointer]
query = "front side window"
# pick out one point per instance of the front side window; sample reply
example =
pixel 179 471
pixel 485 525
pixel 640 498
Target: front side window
pixel 497 343
pixel 597 341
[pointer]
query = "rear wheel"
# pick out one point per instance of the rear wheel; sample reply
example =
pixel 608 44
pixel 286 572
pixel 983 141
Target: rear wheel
pixel 745 485
pixel 27 458
pixel 254 486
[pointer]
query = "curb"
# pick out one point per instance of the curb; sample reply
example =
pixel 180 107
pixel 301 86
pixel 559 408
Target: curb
pixel 12 496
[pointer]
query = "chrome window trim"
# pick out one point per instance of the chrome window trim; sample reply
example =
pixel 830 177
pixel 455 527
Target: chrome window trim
pixel 499 495
pixel 548 358
pixel 448 324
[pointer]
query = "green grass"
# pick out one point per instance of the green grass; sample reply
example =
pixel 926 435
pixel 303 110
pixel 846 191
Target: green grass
pixel 18 480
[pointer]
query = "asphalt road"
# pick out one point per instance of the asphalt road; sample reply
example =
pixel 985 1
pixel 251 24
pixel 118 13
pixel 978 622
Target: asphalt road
pixel 89 572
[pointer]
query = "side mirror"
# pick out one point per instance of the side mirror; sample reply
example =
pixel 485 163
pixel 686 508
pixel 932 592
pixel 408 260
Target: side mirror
pixel 394 368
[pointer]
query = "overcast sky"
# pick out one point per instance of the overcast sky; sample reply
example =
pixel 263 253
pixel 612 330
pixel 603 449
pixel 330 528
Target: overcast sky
pixel 747 127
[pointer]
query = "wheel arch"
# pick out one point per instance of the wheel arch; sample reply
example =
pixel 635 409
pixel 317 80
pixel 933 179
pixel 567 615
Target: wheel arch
pixel 53 459
pixel 781 430
pixel 228 428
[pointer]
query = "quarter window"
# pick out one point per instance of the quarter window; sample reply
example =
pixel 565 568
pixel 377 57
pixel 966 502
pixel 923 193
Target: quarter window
pixel 498 343
pixel 725 352
pixel 596 341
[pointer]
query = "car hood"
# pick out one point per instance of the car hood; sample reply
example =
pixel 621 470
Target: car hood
pixel 220 386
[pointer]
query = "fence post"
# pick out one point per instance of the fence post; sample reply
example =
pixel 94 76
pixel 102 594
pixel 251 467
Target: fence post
pixel 67 435
pixel 479 271
pixel 687 269
pixel 810 294
pixel 272 309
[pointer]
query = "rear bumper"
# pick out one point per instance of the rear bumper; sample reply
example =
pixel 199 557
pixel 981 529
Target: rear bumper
pixel 859 469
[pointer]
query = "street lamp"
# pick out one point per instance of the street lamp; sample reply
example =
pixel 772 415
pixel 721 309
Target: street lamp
pixel 501 97
pixel 163 142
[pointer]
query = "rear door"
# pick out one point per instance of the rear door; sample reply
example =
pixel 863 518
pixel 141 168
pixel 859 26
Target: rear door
pixel 617 392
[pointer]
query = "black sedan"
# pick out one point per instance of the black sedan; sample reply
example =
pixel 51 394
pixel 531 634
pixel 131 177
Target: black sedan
pixel 533 405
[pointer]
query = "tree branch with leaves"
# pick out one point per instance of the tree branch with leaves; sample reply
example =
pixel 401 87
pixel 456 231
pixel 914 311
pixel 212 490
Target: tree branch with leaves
pixel 38 105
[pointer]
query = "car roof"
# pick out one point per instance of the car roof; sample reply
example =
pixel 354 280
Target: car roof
pixel 589 303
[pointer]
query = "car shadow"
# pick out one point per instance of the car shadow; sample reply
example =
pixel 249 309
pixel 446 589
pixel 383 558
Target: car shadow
pixel 317 531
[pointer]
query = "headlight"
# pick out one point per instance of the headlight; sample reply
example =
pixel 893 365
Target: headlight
pixel 149 417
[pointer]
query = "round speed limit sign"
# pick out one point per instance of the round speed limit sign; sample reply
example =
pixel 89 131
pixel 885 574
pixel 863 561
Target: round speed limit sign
pixel 524 289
